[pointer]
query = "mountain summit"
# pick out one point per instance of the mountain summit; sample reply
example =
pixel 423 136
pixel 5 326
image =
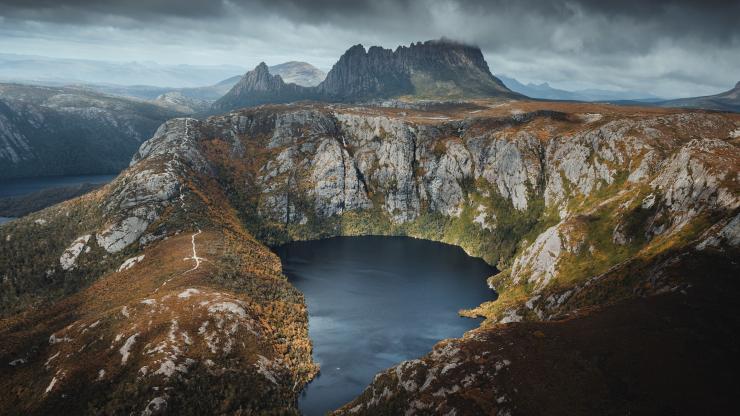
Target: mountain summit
pixel 432 69
pixel 257 87
pixel 300 73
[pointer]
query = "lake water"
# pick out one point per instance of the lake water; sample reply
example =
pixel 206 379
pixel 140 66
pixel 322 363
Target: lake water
pixel 3 220
pixel 376 301
pixel 17 187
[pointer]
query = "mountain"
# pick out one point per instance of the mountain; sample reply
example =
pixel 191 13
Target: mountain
pixel 46 131
pixel 260 87
pixel 432 69
pixel 545 91
pixel 182 103
pixel 299 73
pixel 616 231
pixel 726 101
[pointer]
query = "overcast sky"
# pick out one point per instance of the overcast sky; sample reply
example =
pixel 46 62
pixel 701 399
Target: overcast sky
pixel 668 48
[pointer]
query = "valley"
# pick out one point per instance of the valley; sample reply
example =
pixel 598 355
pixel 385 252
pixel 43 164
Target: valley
pixel 596 215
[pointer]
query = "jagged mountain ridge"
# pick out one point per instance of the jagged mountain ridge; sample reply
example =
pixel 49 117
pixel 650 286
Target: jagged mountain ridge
pixel 580 206
pixel 432 69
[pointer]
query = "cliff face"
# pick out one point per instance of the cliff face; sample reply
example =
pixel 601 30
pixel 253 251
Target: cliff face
pixel 584 209
pixel 433 69
pixel 361 75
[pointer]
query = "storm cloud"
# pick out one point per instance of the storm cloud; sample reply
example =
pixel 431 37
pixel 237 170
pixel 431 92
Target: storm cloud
pixel 668 48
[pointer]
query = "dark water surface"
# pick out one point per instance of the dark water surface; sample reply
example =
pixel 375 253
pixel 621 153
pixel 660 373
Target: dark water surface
pixel 23 186
pixel 376 301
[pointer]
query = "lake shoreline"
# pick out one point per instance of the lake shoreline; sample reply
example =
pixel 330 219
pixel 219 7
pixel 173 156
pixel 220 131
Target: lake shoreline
pixel 375 301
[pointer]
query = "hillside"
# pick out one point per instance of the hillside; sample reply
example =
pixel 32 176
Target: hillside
pixel 439 69
pixel 726 101
pixel 48 131
pixel 615 228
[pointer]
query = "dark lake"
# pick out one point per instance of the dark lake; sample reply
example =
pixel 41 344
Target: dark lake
pixel 376 301
pixel 23 186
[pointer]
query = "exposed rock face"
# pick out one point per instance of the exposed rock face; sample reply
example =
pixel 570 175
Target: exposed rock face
pixel 69 257
pixel 513 164
pixel 338 186
pixel 695 180
pixel 444 176
pixel 539 261
pixel 40 127
pixel 431 69
pixel 361 75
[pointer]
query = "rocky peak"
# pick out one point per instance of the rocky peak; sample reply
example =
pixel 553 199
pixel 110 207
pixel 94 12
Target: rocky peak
pixel 432 69
pixel 257 87
pixel 417 69
pixel 360 75
pixel 260 79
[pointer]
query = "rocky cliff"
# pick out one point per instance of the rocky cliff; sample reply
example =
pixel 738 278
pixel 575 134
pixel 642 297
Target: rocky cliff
pixel 432 69
pixel 157 290
pixel 48 131
pixel 429 69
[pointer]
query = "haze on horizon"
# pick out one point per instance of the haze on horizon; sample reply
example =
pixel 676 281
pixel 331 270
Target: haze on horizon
pixel 666 48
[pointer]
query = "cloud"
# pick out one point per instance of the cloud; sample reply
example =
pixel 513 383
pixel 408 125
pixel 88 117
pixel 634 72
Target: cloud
pixel 659 46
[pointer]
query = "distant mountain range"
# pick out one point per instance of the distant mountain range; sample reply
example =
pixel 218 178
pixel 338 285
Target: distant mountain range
pixel 58 72
pixel 46 131
pixel 433 69
pixel 545 91
pixel 725 101
pixel 300 73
